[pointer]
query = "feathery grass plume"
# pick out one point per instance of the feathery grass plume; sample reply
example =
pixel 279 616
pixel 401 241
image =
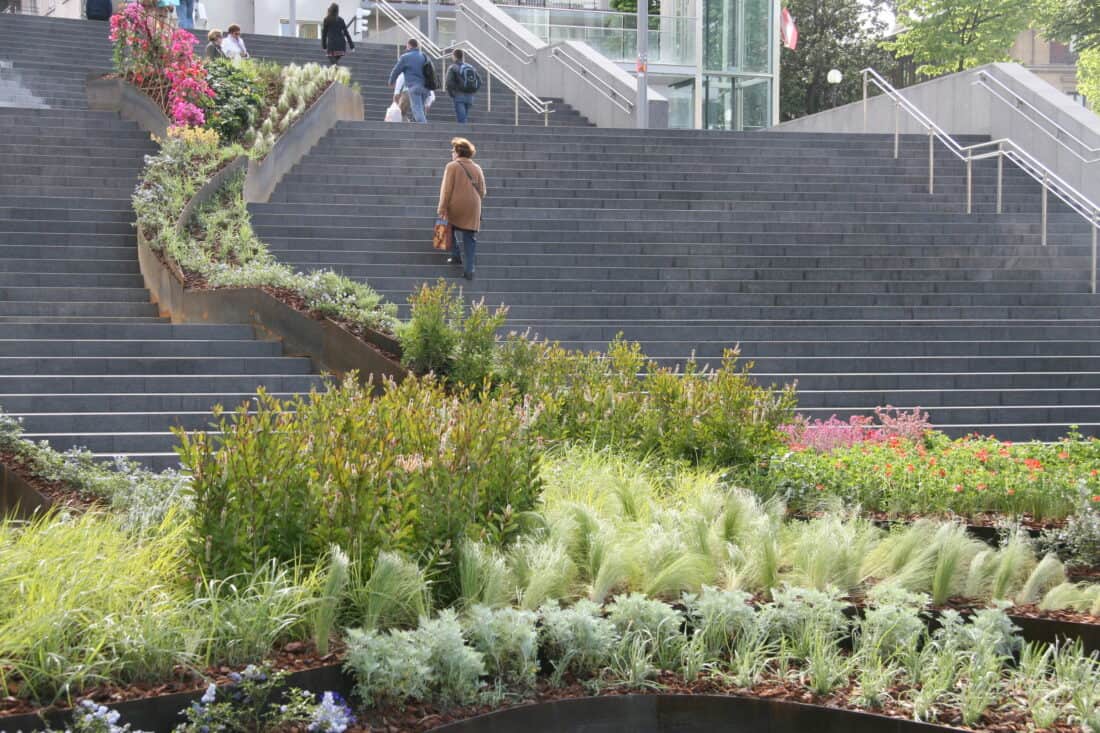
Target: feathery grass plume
pixel 1078 597
pixel 332 592
pixel 1015 561
pixel 1047 574
pixel 615 564
pixel 543 571
pixel 740 516
pixel 900 549
pixel 687 572
pixel 828 552
pixel 395 594
pixel 941 566
pixel 979 576
pixel 483 576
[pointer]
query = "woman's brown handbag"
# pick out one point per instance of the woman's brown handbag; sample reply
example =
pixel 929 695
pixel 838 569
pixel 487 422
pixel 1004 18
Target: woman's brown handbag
pixel 442 236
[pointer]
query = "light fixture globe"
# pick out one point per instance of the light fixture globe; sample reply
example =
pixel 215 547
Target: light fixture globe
pixel 834 76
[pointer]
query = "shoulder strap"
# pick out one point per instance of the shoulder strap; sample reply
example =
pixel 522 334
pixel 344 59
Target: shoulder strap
pixel 470 178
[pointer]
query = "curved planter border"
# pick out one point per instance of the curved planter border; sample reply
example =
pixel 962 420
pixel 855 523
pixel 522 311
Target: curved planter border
pixel 161 714
pixel 331 347
pixel 19 498
pixel 683 714
pixel 118 95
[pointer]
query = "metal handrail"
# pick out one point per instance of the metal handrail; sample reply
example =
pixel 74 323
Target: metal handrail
pixel 602 87
pixel 519 92
pixel 492 68
pixel 491 28
pixel 406 25
pixel 1005 149
pixel 1060 132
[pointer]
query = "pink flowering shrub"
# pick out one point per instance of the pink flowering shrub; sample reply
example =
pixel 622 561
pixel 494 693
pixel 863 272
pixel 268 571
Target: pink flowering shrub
pixel 829 435
pixel 160 60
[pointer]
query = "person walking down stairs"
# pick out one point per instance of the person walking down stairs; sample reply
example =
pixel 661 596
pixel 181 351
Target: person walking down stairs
pixel 460 197
pixel 335 38
pixel 462 83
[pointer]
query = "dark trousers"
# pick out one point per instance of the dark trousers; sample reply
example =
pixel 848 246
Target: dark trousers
pixel 469 248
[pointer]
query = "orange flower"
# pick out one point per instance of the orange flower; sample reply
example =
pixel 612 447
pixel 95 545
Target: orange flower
pixel 909 468
pixel 943 473
pixel 1011 492
pixel 1096 498
pixel 1063 455
pixel 820 487
pixel 982 455
pixel 958 488
pixel 981 487
pixel 1033 463
pixel 1093 472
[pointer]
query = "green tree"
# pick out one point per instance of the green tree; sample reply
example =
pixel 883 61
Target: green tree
pixel 946 36
pixel 631 6
pixel 1088 76
pixel 1071 21
pixel 832 34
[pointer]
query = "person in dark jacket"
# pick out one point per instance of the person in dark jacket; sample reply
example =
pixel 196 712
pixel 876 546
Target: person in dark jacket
pixel 462 82
pixel 97 9
pixel 214 47
pixel 334 35
pixel 411 64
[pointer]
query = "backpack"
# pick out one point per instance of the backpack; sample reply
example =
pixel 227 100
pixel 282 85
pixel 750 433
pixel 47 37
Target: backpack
pixel 429 75
pixel 468 80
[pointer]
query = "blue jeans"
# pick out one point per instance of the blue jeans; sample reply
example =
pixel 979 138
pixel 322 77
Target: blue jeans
pixel 417 97
pixel 469 247
pixel 463 102
pixel 186 13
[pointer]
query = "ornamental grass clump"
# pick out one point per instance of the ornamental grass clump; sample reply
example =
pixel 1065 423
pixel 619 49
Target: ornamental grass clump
pixel 286 479
pixel 86 601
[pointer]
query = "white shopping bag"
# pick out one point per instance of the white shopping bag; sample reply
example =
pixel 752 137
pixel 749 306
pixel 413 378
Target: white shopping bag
pixel 393 114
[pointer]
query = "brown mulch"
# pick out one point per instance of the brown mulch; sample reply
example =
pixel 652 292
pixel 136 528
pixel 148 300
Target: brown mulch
pixel 60 495
pixel 293 657
pixel 1083 573
pixel 1032 611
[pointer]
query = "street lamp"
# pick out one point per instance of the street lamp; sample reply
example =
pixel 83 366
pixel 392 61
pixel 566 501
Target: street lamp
pixel 834 77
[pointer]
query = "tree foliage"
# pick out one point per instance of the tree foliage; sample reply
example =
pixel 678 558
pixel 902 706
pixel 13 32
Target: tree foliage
pixel 1088 76
pixel 946 36
pixel 1071 21
pixel 833 34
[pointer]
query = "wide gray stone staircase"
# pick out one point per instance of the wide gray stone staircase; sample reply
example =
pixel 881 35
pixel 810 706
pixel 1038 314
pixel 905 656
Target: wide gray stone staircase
pixel 85 358
pixel 821 255
pixel 370 66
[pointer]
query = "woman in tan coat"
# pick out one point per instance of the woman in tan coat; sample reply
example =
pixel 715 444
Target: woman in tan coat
pixel 460 198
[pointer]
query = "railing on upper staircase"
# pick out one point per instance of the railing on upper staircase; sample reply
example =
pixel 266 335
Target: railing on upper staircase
pixel 1046 124
pixel 1001 149
pixel 492 69
pixel 559 52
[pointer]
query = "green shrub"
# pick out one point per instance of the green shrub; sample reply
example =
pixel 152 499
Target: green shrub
pixel 238 100
pixel 710 416
pixel 413 470
pixel 508 641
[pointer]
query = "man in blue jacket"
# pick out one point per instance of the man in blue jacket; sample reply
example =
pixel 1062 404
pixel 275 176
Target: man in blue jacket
pixel 411 64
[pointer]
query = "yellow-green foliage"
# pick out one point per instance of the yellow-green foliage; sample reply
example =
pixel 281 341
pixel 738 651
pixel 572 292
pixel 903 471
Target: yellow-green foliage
pixel 85 601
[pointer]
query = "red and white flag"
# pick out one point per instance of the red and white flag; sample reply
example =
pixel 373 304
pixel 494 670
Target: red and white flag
pixel 788 31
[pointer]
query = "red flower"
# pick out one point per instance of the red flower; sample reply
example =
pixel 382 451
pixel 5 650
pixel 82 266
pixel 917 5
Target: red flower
pixel 1033 464
pixel 943 473
pixel 1011 492
pixel 982 455
pixel 981 487
pixel 909 468
pixel 958 488
pixel 1096 498
pixel 1093 472
pixel 820 487
pixel 1063 455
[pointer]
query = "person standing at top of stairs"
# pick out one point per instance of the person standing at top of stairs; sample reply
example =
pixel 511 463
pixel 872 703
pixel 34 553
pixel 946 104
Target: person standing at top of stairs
pixel 419 78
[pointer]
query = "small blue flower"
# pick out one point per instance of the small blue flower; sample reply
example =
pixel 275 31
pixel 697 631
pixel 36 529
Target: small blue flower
pixel 210 694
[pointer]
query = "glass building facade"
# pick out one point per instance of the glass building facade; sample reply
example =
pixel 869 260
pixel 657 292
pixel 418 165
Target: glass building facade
pixel 715 60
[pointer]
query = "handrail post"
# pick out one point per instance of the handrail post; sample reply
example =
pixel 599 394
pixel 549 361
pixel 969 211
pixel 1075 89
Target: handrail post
pixel 489 90
pixel 969 183
pixel 897 128
pixel 1044 209
pixel 546 117
pixel 864 74
pixel 931 162
pixel 1000 176
pixel 516 98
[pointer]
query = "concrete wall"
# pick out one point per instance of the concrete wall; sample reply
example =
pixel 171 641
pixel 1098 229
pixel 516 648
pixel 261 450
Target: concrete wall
pixel 569 70
pixel 961 107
